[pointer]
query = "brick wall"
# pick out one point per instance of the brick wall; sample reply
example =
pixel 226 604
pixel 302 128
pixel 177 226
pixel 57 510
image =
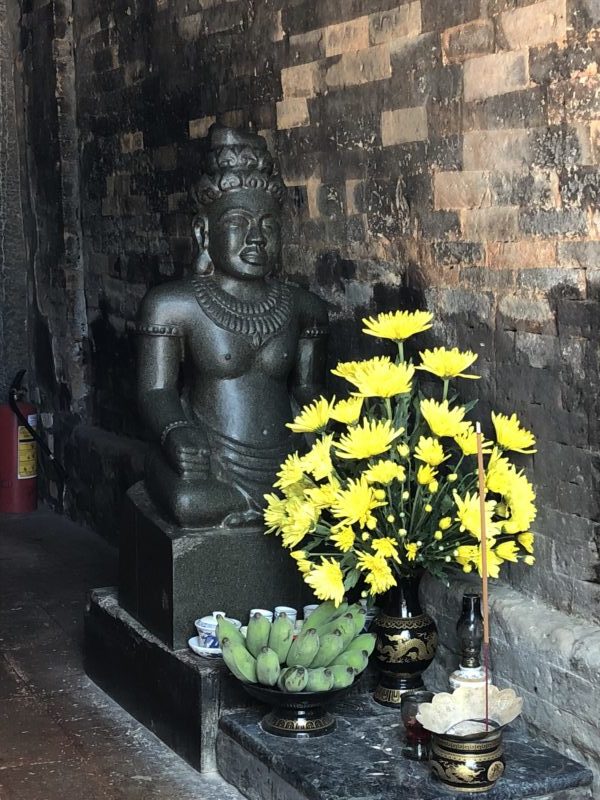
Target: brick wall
pixel 436 153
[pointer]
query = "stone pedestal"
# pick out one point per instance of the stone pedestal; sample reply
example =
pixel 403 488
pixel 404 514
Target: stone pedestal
pixel 175 694
pixel 170 576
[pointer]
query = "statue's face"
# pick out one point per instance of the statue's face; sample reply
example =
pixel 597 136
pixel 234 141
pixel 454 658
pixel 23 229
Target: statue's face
pixel 244 234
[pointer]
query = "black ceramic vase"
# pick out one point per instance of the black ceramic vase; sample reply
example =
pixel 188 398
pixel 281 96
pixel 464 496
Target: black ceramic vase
pixel 406 642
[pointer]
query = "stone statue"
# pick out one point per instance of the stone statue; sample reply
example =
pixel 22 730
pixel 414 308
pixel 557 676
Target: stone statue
pixel 222 353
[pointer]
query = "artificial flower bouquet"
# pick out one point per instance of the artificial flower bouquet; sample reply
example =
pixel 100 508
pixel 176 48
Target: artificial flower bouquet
pixel 389 486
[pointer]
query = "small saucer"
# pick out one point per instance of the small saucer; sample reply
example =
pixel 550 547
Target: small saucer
pixel 205 652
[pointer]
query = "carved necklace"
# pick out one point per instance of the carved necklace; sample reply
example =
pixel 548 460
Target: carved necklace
pixel 258 321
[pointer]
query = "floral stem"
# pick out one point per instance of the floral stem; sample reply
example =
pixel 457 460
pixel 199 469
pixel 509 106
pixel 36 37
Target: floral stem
pixel 388 408
pixel 400 352
pixel 445 394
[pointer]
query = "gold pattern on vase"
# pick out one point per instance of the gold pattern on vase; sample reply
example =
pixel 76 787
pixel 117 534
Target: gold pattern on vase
pixel 407 623
pixel 389 696
pixel 318 724
pixel 402 649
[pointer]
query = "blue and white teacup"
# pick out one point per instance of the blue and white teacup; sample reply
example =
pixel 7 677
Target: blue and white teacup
pixel 207 629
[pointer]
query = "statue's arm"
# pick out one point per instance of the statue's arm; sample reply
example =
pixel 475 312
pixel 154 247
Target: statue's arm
pixel 308 380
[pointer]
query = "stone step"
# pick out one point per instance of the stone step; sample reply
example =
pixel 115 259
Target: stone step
pixel 362 760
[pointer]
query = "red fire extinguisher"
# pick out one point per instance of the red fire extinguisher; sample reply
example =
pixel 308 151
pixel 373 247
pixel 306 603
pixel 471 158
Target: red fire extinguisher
pixel 18 452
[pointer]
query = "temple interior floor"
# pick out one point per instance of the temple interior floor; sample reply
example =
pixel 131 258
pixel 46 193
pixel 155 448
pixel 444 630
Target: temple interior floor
pixel 60 736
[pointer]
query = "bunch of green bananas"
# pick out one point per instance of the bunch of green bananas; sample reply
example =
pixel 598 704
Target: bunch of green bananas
pixel 328 653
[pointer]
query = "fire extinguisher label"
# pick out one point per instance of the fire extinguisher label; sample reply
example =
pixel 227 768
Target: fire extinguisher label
pixel 27 452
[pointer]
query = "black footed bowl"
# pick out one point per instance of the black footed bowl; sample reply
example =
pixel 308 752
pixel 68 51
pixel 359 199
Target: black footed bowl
pixel 297 715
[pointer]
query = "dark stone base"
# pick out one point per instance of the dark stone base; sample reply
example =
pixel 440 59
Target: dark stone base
pixel 170 576
pixel 177 695
pixel 362 760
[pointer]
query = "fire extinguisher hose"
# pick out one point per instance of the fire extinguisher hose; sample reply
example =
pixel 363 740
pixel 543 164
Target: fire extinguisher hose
pixel 13 397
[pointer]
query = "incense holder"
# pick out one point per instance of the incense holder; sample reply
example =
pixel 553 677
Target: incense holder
pixel 467 765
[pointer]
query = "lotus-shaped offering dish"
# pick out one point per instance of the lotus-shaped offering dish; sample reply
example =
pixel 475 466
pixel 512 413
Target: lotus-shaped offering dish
pixel 462 713
pixel 466 748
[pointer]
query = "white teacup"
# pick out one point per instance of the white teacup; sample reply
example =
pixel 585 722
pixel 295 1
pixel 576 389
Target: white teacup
pixel 309 609
pixel 207 628
pixel 263 612
pixel 292 613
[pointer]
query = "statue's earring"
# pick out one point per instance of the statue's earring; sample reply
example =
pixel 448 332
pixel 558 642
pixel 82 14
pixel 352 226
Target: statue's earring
pixel 202 265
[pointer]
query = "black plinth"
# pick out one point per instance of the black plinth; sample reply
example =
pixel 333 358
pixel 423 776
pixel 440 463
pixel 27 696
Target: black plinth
pixel 175 694
pixel 170 576
pixel 362 760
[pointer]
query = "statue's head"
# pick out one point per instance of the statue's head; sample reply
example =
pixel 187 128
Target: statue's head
pixel 239 199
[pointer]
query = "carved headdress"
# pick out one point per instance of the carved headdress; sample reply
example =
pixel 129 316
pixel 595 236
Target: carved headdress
pixel 237 160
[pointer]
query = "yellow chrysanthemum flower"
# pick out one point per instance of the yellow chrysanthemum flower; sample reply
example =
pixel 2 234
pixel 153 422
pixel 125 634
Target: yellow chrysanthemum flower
pixel 447 364
pixel 370 438
pixel 507 551
pixel 467 440
pixel 327 580
pixel 382 378
pixel 318 459
pixel 312 418
pixel 430 451
pixel 302 517
pixel 526 541
pixel 343 538
pixel 443 420
pixel 519 498
pixel 292 471
pixel 275 513
pixel 347 411
pixel 426 474
pixel 472 554
pixel 347 370
pixel 323 496
pixel 385 472
pixel 378 576
pixel 499 472
pixel 356 503
pixel 302 562
pixel 386 547
pixel 398 325
pixel 468 514
pixel 511 436
pixel 411 550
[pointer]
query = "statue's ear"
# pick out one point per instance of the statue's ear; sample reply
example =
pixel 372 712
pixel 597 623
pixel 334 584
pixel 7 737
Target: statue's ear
pixel 203 265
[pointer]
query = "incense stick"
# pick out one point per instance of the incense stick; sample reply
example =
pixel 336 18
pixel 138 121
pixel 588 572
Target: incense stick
pixel 484 570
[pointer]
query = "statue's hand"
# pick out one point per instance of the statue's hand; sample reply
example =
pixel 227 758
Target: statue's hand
pixel 187 451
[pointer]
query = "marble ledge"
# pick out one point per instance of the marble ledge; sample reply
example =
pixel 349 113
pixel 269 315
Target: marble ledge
pixel 362 760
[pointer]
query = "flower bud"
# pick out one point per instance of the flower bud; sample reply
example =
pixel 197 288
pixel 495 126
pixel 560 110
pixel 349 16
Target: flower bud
pixel 448 559
pixel 433 486
pixel 428 508
pixel 365 537
pixel 445 523
pixel 405 495
pixel 379 494
pixel 391 518
pixel 530 560
pixel 438 535
pixel 467 568
pixel 452 477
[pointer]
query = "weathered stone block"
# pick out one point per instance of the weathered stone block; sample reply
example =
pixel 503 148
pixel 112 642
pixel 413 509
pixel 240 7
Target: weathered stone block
pixel 304 80
pixel 405 20
pixel 292 113
pixel 439 15
pixel 505 149
pixel 461 189
pixel 403 125
pixel 455 253
pixel 364 66
pixel 490 223
pixel 466 41
pixel 553 222
pixel 347 37
pixel 497 73
pixel 535 24
pixel 524 254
